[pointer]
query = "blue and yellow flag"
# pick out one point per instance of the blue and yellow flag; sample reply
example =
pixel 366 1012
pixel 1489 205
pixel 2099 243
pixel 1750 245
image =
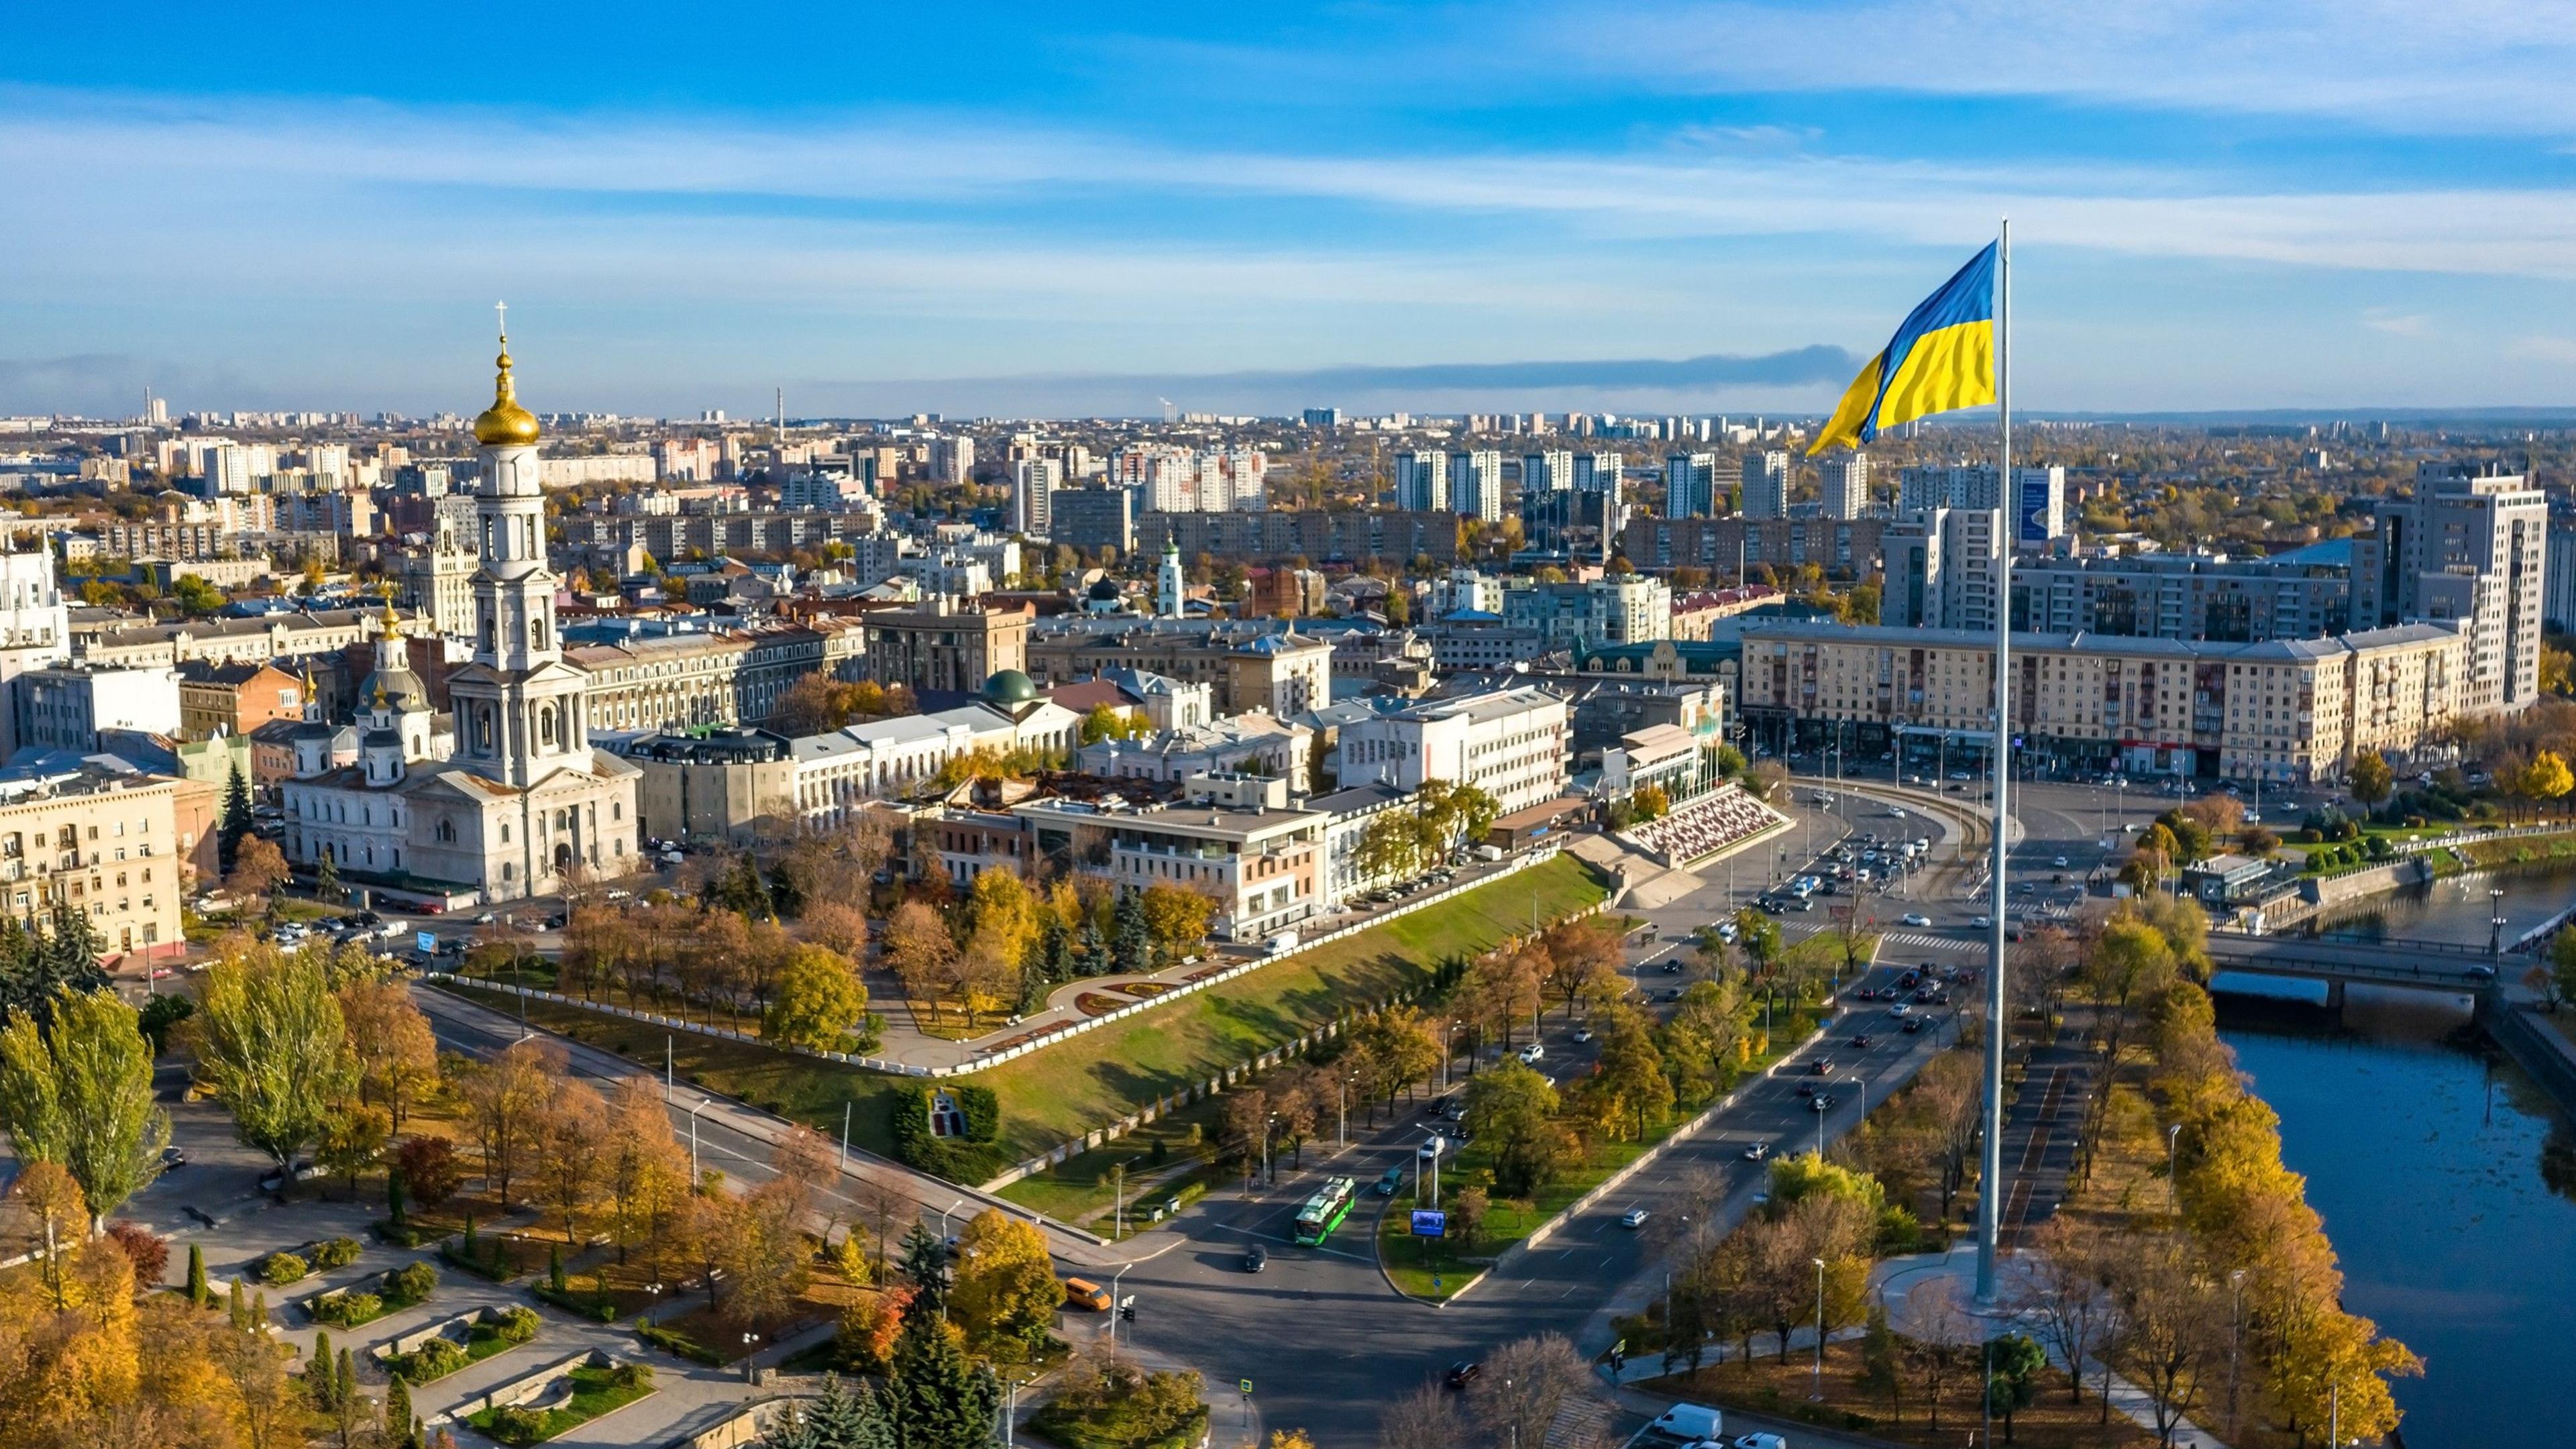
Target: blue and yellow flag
pixel 1940 360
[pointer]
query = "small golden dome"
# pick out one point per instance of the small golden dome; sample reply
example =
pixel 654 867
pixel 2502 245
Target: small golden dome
pixel 505 424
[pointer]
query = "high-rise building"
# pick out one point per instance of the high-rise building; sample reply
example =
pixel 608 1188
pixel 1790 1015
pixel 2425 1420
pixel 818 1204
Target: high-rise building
pixel 1323 417
pixel 952 460
pixel 1690 485
pixel 1032 481
pixel 1846 485
pixel 1940 566
pixel 1766 484
pixel 1422 482
pixel 1093 519
pixel 1956 485
pixel 1476 484
pixel 2470 543
pixel 1548 472
pixel 2558 587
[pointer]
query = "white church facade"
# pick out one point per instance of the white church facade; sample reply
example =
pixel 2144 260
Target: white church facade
pixel 524 803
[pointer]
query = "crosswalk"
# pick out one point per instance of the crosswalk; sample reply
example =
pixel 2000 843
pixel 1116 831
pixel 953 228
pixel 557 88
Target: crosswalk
pixel 1915 941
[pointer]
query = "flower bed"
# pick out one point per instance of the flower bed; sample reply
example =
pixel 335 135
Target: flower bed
pixel 495 1331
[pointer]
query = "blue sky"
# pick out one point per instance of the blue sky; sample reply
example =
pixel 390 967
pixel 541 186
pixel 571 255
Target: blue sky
pixel 1006 208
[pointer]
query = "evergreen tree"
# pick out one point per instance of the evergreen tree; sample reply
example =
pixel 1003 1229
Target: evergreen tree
pixel 400 1430
pixel 934 1397
pixel 1090 957
pixel 65 958
pixel 198 1292
pixel 1131 941
pixel 322 1373
pixel 925 1262
pixel 326 879
pixel 236 819
pixel 18 975
pixel 850 1418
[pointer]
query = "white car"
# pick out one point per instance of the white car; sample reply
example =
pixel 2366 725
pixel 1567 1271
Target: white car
pixel 1900 1009
pixel 1916 918
pixel 1981 923
pixel 1757 1152
pixel 1758 1441
pixel 1533 1054
pixel 2059 862
pixel 1582 1034
pixel 1633 1218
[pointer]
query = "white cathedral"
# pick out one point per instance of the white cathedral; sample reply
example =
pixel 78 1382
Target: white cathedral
pixel 523 799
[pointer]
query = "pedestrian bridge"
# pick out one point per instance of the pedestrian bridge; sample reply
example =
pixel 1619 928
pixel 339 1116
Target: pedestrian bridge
pixel 2424 965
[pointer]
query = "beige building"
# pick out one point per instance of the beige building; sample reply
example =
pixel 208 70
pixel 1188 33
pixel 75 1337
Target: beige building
pixel 1283 673
pixel 140 644
pixel 662 683
pixel 2287 710
pixel 1234 839
pixel 438 583
pixel 105 844
pixel 944 646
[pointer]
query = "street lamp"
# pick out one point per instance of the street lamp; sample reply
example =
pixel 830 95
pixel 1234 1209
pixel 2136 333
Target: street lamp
pixel 943 1220
pixel 2173 1174
pixel 2495 923
pixel 1113 1307
pixel 703 1104
pixel 2235 1343
pixel 1817 1393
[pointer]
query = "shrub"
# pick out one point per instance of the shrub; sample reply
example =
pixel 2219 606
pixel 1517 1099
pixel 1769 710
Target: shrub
pixel 514 1324
pixel 279 1269
pixel 149 1253
pixel 337 1253
pixel 631 1376
pixel 435 1359
pixel 518 1424
pixel 412 1282
pixel 430 1171
pixel 351 1308
pixel 597 1308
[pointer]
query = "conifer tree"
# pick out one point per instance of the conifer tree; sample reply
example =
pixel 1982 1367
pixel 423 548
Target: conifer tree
pixel 935 1398
pixel 236 819
pixel 198 1292
pixel 400 1429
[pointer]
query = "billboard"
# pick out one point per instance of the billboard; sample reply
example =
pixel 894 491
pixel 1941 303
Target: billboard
pixel 1428 1223
pixel 2038 505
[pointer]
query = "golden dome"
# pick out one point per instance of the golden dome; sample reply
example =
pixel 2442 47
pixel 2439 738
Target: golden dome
pixel 505 424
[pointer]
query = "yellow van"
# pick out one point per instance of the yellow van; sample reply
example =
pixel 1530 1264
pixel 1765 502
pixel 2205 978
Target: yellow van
pixel 1083 1293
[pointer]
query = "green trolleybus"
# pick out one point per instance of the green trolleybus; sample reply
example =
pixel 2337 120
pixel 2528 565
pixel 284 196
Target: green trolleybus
pixel 1325 1210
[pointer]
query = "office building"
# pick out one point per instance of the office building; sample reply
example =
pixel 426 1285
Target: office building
pixel 1509 743
pixel 1093 520
pixel 944 645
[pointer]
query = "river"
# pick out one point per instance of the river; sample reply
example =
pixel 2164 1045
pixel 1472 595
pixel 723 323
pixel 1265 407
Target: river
pixel 2447 1180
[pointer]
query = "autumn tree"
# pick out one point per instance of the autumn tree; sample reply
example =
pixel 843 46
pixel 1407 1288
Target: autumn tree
pixel 258 868
pixel 571 1152
pixel 820 1002
pixel 272 1046
pixel 919 949
pixel 1006 1286
pixel 504 1100
pixel 396 1053
pixel 2371 779
pixel 82 1097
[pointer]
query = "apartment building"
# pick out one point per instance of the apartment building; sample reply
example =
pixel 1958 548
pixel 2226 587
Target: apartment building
pixel 1248 669
pixel 2283 710
pixel 1625 609
pixel 1729 547
pixel 104 843
pixel 2470 543
pixel 1394 536
pixel 1510 743
pixel 2182 596
pixel 235 699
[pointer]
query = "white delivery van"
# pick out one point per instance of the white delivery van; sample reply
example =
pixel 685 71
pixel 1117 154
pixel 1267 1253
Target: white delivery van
pixel 1689 1423
pixel 1283 943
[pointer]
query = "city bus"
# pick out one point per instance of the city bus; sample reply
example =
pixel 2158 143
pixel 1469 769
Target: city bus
pixel 1325 1210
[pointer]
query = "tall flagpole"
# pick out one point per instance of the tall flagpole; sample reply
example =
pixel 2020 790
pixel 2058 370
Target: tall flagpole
pixel 1990 1186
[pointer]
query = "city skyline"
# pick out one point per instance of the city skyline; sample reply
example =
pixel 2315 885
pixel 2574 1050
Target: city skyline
pixel 1007 212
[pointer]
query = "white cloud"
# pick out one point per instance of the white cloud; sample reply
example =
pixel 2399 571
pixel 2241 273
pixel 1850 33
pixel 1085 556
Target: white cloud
pixel 2395 323
pixel 2468 67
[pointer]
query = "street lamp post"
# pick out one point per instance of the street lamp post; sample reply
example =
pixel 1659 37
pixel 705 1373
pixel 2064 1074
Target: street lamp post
pixel 2235 1343
pixel 2173 1174
pixel 1113 1308
pixel 693 1138
pixel 2495 924
pixel 1816 1394
pixel 943 1219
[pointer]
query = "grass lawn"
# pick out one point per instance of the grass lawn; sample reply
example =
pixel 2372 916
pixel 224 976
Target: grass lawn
pixel 595 1391
pixel 1102 1075
pixel 1099 1076
pixel 1769 1386
pixel 482 1341
pixel 1414 1262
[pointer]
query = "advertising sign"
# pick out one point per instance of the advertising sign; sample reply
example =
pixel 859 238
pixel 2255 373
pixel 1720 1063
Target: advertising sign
pixel 1428 1223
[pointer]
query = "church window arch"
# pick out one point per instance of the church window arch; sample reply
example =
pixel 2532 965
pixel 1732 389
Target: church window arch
pixel 446 832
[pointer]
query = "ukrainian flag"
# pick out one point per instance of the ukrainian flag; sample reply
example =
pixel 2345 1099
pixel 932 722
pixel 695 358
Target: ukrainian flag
pixel 1940 360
